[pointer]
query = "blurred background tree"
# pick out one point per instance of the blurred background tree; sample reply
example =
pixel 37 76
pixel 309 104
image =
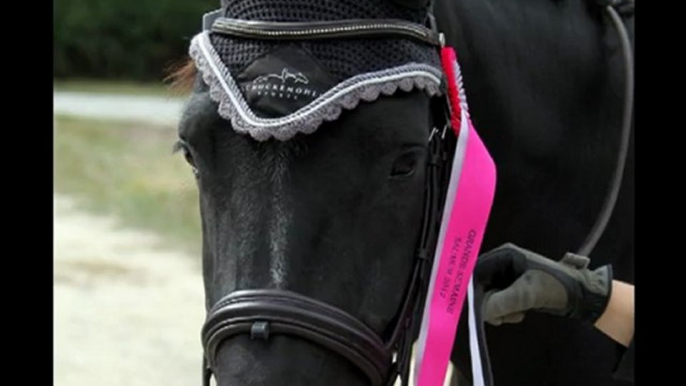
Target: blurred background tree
pixel 123 39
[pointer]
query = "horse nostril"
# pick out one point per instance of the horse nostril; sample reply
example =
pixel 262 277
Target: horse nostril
pixel 259 330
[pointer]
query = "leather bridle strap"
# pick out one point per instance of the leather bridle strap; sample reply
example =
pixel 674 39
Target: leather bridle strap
pixel 263 312
pixel 337 29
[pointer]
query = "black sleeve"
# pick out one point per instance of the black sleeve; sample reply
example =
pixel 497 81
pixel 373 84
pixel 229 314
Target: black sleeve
pixel 625 368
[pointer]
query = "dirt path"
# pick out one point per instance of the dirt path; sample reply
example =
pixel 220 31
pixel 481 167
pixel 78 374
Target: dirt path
pixel 127 312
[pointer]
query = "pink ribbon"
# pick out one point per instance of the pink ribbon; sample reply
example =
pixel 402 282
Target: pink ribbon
pixel 467 207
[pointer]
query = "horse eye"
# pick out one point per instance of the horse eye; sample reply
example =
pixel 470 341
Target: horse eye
pixel 404 166
pixel 187 155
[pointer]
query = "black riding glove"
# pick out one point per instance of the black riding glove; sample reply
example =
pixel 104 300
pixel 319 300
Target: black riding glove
pixel 517 280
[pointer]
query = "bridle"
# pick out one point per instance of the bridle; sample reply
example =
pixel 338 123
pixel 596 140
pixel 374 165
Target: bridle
pixel 263 313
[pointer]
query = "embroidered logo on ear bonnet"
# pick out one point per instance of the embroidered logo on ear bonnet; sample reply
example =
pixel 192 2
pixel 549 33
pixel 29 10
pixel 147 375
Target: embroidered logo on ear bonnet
pixel 283 81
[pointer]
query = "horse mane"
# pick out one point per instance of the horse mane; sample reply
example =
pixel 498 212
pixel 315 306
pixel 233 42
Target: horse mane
pixel 181 76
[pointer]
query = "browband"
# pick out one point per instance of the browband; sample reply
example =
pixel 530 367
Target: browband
pixel 337 29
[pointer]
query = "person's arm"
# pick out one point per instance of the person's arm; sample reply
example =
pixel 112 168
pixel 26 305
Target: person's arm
pixel 517 281
pixel 617 321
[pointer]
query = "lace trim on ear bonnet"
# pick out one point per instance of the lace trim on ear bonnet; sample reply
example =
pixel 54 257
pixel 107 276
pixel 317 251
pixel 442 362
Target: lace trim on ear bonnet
pixel 326 107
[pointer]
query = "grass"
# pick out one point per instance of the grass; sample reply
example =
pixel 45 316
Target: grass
pixel 127 169
pixel 112 87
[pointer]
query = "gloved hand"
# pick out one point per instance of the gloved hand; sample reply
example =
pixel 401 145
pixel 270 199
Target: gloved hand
pixel 516 280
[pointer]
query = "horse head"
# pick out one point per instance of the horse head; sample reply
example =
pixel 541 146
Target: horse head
pixel 312 225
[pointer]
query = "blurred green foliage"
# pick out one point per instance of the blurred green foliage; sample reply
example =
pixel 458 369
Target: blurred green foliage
pixel 123 39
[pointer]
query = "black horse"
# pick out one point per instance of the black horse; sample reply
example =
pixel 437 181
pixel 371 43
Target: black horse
pixel 335 215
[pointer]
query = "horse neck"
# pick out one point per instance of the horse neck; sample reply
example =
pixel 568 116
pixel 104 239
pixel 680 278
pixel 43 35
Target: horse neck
pixel 544 84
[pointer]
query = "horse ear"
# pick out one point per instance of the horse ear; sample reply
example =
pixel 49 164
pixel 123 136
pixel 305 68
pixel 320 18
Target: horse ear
pixel 412 4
